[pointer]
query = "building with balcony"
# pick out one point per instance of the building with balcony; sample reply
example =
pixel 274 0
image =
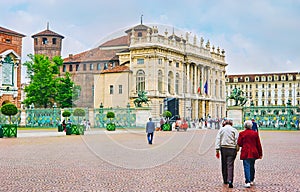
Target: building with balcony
pixel 166 66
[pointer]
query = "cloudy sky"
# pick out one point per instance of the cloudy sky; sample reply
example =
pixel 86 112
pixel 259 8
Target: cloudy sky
pixel 259 36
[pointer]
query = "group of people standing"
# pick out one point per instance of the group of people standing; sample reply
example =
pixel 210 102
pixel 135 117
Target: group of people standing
pixel 229 141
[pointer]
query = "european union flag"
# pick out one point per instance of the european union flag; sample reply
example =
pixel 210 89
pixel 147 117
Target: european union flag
pixel 206 88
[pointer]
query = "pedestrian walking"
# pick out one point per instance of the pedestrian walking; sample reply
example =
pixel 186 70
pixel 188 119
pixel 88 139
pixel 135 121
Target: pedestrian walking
pixel 251 150
pixel 226 142
pixel 254 125
pixel 88 125
pixel 150 127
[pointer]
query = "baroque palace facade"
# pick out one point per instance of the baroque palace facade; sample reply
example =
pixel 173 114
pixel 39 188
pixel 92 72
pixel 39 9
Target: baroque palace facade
pixel 270 89
pixel 10 66
pixel 164 65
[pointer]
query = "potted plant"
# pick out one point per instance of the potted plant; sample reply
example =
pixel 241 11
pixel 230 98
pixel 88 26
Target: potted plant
pixel 9 130
pixel 67 114
pixel 167 125
pixel 79 128
pixel 110 126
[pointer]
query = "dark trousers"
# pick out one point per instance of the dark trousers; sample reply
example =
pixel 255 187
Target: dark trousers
pixel 228 156
pixel 150 137
pixel 249 170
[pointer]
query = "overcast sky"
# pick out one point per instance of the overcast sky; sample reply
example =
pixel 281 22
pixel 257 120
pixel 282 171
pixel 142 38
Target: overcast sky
pixel 259 36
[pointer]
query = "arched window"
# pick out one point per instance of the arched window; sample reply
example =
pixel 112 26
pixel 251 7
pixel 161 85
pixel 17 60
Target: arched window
pixel 159 81
pixel 140 80
pixel 170 82
pixel 177 84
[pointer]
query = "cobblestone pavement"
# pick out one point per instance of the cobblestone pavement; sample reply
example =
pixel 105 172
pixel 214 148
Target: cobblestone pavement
pixel 123 161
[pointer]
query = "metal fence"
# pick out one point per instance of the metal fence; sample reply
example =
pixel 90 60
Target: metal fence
pixel 274 117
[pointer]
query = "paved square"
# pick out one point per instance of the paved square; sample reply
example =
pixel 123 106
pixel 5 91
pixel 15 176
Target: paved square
pixel 123 161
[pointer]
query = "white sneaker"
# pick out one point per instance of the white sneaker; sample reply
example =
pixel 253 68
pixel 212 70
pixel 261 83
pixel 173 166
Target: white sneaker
pixel 247 185
pixel 252 183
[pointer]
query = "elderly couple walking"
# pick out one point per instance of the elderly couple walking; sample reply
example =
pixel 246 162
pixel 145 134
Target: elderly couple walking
pixel 228 142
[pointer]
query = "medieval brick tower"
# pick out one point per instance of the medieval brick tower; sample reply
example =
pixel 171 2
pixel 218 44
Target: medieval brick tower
pixel 47 43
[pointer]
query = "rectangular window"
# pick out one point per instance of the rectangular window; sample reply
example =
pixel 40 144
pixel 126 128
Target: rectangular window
pixel 77 67
pixel 54 41
pixel 160 61
pixel 98 66
pixel 64 68
pixel 140 61
pixel 282 84
pixel 120 89
pixel 91 67
pixel 111 89
pixel 71 68
pixel 84 67
pixel 177 64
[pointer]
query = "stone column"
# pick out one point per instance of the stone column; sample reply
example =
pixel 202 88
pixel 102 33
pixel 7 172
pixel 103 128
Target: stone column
pixel 188 78
pixel 196 79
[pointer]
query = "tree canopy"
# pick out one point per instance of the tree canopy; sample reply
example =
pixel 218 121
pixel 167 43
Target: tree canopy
pixel 46 87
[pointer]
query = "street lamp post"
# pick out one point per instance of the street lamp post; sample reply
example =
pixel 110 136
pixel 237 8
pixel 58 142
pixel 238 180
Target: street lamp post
pixel 54 114
pixel 289 114
pixel 101 115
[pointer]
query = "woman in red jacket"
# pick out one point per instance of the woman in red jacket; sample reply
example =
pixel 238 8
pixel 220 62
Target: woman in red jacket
pixel 251 150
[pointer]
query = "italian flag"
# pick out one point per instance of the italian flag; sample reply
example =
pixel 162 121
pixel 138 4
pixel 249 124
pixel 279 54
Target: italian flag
pixel 200 87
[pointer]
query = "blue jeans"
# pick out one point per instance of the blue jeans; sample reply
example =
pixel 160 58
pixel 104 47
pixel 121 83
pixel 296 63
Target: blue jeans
pixel 150 137
pixel 249 170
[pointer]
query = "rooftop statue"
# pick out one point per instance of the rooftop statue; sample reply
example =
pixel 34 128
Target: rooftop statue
pixel 237 96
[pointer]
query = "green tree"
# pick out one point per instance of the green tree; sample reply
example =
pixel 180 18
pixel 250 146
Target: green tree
pixel 67 91
pixel 42 74
pixel 9 109
pixel 45 86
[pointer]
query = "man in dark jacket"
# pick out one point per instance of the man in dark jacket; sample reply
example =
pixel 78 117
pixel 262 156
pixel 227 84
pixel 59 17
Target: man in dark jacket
pixel 150 127
pixel 254 125
pixel 251 150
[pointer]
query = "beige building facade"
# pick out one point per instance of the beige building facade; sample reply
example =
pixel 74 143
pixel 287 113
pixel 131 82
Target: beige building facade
pixel 166 66
pixel 270 89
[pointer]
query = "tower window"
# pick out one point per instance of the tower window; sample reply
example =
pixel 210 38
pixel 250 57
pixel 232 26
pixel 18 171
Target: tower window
pixel 140 34
pixel 45 41
pixel 54 41
pixel 35 41
pixel 84 67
